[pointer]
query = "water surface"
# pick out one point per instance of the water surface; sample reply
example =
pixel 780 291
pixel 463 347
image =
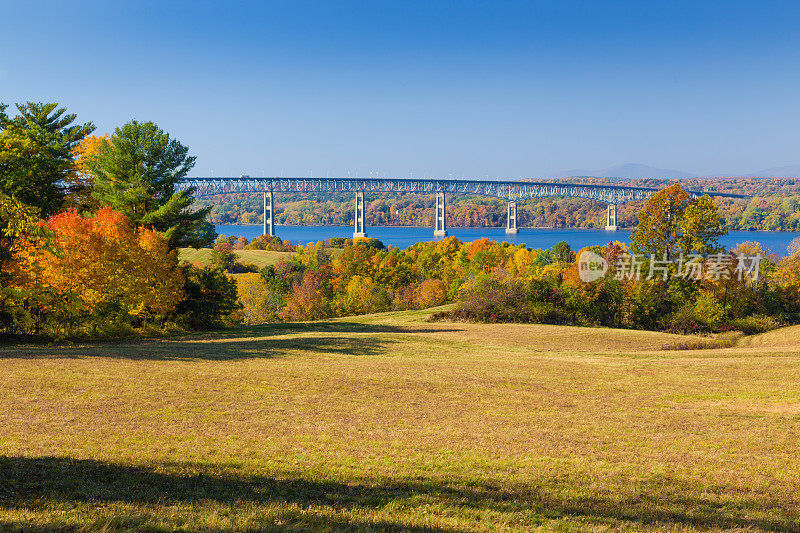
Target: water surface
pixel 403 237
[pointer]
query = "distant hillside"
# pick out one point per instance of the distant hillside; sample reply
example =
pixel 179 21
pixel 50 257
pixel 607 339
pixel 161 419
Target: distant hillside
pixel 627 170
pixel 790 171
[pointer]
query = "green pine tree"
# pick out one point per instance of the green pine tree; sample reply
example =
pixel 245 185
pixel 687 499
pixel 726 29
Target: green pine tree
pixel 136 173
pixel 36 159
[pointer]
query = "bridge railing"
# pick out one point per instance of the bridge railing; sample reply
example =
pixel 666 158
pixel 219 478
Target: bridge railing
pixel 505 190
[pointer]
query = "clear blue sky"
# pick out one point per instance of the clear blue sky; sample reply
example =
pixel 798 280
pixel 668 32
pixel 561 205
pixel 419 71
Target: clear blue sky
pixel 505 89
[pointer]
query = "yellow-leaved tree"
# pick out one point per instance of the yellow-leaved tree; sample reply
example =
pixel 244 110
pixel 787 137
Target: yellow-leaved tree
pixel 102 262
pixel 260 302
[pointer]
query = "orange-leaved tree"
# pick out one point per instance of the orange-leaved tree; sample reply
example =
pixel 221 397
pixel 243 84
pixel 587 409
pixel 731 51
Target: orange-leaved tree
pixel 102 260
pixel 431 292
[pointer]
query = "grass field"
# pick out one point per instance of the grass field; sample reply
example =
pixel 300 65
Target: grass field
pixel 259 258
pixel 388 422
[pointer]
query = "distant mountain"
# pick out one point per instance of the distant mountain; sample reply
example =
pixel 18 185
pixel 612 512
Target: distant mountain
pixel 791 171
pixel 627 170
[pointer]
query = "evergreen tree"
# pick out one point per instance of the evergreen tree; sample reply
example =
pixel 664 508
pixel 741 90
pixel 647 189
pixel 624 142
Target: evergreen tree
pixel 136 172
pixel 36 154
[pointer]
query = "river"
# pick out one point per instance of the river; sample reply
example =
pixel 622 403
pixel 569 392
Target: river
pixel 403 237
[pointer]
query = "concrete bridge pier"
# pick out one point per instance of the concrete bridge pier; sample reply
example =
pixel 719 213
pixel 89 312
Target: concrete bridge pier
pixel 358 226
pixel 269 214
pixel 611 218
pixel 440 217
pixel 511 221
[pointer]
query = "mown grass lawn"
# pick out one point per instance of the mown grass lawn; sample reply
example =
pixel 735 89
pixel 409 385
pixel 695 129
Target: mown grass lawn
pixel 389 422
pixel 259 258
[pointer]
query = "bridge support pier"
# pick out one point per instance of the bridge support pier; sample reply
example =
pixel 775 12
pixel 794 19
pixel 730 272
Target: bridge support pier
pixel 511 221
pixel 269 214
pixel 440 217
pixel 611 218
pixel 358 227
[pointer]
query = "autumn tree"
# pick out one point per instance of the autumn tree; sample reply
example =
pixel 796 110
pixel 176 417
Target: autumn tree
pixel 430 293
pixel 700 227
pixel 673 222
pixel 18 222
pixel 563 252
pixel 484 254
pixel 310 299
pixel 259 301
pixel 36 154
pixel 85 154
pixel 361 296
pixel 137 172
pixel 788 272
pixel 657 231
pixel 104 264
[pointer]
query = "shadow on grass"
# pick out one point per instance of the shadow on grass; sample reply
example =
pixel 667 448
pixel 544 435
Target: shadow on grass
pixel 326 326
pixel 335 337
pixel 42 484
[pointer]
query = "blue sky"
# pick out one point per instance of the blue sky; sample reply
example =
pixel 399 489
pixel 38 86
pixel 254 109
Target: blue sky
pixel 504 89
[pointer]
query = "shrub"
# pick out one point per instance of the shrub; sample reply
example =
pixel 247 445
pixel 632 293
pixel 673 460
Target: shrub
pixel 724 340
pixel 211 299
pixel 97 270
pixel 259 302
pixel 497 298
pixel 430 293
pixel 685 321
pixel 310 299
pixel 754 324
pixel 708 310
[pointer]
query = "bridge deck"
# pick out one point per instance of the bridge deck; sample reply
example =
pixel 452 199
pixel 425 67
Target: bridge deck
pixel 506 190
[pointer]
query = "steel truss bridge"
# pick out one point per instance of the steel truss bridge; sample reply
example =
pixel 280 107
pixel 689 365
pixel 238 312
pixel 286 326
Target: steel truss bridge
pixel 511 191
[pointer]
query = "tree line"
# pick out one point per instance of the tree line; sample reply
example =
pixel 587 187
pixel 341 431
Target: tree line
pixel 499 282
pixel 90 226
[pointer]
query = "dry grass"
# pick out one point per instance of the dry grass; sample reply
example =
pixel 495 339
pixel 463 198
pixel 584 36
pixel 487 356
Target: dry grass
pixel 390 422
pixel 691 342
pixel 259 258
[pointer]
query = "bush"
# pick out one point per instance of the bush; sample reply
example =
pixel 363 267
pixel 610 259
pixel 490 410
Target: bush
pixel 724 340
pixel 685 321
pixel 501 299
pixel 97 274
pixel 337 242
pixel 211 299
pixel 709 310
pixel 754 324
pixel 272 244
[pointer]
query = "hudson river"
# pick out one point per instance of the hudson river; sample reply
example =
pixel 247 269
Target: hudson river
pixel 402 237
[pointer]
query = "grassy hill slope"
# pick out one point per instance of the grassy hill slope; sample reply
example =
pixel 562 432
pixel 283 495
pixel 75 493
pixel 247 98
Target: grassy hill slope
pixel 259 258
pixel 390 422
